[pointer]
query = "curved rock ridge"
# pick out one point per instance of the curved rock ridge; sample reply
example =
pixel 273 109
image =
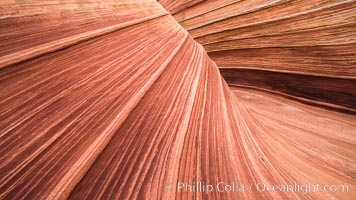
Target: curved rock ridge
pixel 298 48
pixel 115 100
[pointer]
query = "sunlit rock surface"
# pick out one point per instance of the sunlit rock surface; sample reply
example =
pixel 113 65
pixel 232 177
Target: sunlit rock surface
pixel 115 100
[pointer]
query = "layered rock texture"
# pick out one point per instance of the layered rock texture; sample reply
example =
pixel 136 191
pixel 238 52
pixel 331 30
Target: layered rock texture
pixel 301 49
pixel 106 99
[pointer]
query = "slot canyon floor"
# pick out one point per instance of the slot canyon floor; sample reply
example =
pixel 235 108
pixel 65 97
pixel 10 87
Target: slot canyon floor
pixel 186 99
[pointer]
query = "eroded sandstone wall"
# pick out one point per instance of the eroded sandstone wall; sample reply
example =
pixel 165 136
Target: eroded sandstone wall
pixel 299 48
pixel 105 99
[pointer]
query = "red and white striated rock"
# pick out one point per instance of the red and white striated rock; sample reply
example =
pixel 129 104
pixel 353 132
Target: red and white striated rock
pixel 301 49
pixel 115 100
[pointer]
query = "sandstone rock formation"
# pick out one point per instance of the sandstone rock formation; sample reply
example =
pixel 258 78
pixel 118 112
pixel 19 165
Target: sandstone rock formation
pixel 301 49
pixel 106 99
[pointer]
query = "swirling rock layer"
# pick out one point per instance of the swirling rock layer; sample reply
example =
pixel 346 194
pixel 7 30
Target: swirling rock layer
pixel 114 100
pixel 301 49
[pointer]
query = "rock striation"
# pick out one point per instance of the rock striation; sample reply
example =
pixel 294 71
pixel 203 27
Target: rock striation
pixel 300 49
pixel 115 100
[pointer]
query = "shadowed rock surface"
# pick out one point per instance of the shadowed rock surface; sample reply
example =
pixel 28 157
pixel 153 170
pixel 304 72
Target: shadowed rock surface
pixel 115 100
